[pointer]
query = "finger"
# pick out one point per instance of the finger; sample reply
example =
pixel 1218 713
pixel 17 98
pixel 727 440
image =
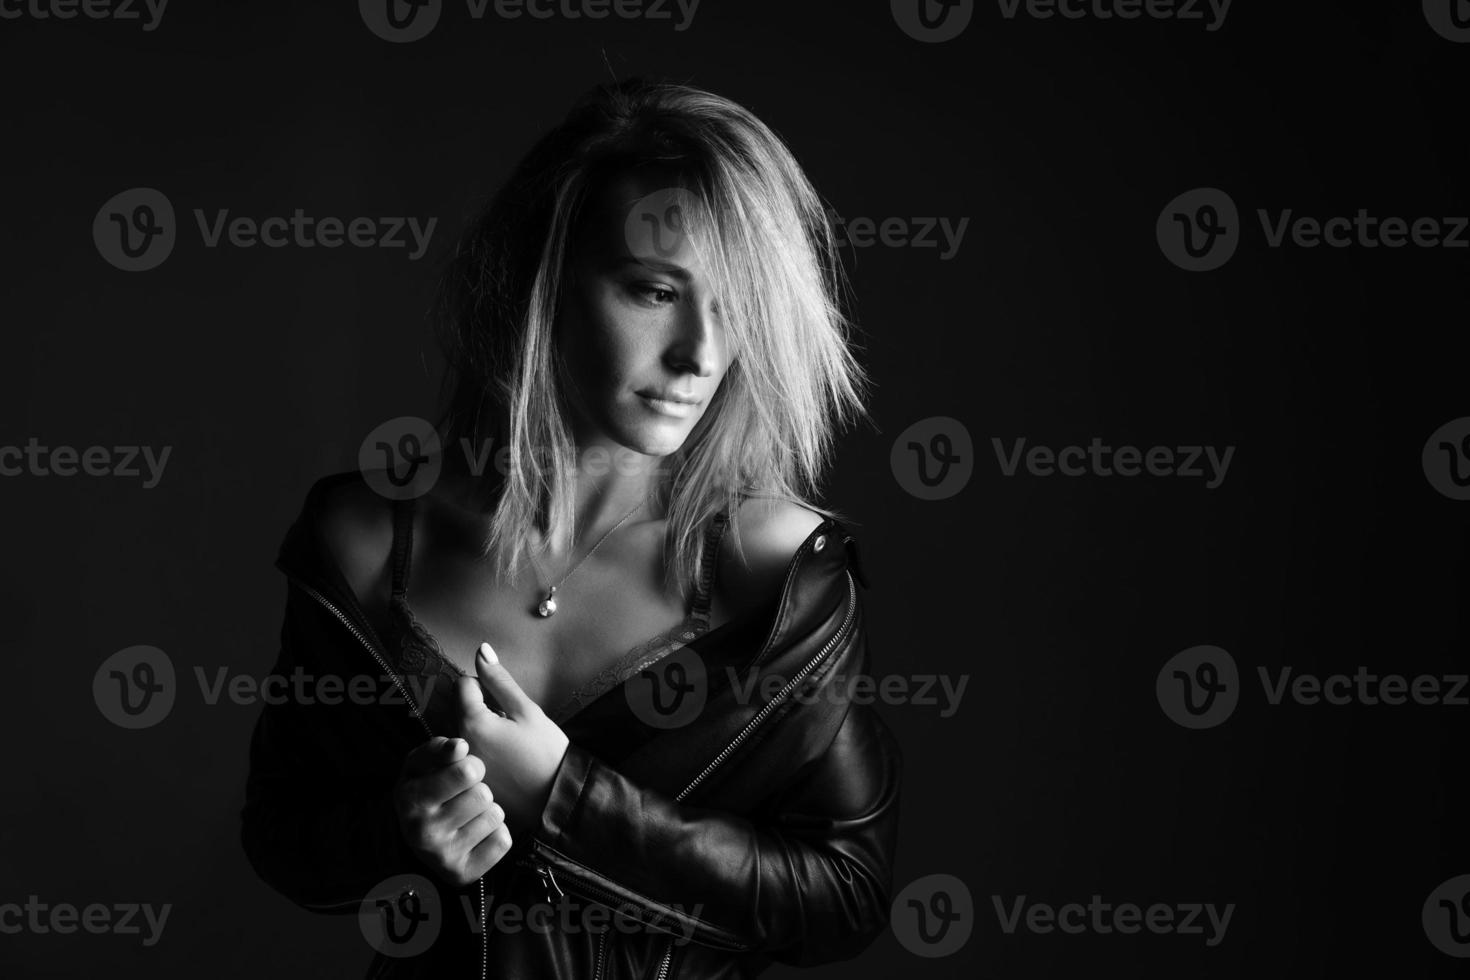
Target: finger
pixel 499 685
pixel 438 788
pixel 471 698
pixel 492 848
pixel 433 755
pixel 480 826
pixel 466 806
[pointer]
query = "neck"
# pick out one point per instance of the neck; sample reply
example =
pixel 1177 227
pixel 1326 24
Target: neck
pixel 609 482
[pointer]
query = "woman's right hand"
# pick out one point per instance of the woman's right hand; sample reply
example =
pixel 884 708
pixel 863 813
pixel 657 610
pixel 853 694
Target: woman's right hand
pixel 446 812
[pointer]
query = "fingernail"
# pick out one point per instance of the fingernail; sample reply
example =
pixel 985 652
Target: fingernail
pixel 488 652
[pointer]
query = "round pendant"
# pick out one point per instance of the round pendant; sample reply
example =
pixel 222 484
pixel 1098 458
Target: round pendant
pixel 547 607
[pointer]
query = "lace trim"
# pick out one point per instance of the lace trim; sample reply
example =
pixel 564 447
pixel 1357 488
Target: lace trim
pixel 630 664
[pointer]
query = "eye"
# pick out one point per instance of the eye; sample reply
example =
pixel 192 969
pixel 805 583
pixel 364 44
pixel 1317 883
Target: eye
pixel 653 293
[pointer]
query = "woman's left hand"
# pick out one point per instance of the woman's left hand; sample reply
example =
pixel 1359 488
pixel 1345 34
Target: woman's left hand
pixel 522 751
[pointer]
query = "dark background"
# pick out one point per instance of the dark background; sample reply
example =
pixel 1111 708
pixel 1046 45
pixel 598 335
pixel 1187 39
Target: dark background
pixel 1059 319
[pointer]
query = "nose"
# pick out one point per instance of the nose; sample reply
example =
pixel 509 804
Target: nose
pixel 695 347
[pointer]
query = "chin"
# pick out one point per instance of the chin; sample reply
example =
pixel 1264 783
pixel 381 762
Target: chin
pixel 656 439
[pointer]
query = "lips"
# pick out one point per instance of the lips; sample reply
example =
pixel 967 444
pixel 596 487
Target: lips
pixel 670 396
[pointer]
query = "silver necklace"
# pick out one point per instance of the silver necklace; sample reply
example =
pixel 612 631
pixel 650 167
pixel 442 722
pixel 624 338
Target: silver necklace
pixel 547 607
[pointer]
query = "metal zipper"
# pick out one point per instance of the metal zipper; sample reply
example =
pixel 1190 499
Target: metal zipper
pixel 663 966
pixel 780 696
pixel 368 646
pixel 419 716
pixel 601 956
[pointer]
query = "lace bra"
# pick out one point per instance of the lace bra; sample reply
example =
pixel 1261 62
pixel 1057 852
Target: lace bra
pixel 419 652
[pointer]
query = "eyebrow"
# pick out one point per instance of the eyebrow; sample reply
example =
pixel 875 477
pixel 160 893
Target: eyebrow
pixel 668 268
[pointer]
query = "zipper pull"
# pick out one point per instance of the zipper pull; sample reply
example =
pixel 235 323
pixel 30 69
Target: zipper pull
pixel 548 881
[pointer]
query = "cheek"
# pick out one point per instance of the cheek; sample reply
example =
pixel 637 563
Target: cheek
pixel 605 342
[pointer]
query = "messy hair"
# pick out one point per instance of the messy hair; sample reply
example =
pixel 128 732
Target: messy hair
pixel 769 242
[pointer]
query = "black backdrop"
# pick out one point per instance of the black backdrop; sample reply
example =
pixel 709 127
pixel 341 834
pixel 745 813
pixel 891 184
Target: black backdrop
pixel 1329 546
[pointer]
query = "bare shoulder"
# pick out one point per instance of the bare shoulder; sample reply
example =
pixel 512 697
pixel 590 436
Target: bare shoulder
pixel 770 533
pixel 355 525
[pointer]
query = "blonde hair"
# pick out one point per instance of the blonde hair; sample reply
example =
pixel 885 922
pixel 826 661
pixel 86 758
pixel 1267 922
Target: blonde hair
pixel 754 217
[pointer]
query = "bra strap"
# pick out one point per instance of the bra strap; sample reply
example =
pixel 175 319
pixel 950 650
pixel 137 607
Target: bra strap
pixel 402 545
pixel 708 563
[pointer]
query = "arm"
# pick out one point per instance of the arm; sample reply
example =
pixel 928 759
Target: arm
pixel 806 881
pixel 315 826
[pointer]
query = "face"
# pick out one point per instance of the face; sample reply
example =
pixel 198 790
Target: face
pixel 640 327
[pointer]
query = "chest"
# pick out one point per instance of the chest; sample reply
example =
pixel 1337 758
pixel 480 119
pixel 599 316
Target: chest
pixel 611 606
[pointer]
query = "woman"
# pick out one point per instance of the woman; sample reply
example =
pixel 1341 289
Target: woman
pixel 644 334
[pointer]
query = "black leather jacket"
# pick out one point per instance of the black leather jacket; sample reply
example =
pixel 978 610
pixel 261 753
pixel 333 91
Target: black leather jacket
pixel 762 830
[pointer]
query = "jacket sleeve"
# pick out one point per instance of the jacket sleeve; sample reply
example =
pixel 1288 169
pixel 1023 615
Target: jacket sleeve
pixel 315 828
pixel 805 880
